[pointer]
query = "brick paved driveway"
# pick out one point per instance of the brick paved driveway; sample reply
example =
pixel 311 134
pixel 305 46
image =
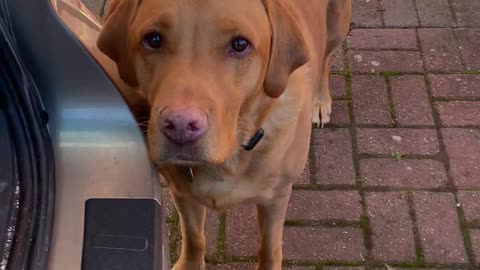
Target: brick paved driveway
pixel 394 181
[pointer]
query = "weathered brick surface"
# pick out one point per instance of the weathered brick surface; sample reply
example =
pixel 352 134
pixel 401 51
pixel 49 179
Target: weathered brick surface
pixel 404 141
pixel 337 86
pixel 390 223
pixel 400 13
pixel 324 205
pixel 366 13
pixel 370 100
pixel 455 85
pixel 305 177
pixel 248 266
pixel 382 39
pixel 168 205
pixel 470 203
pixel 337 60
pixel 212 225
pixel 340 114
pixel 467 13
pixel 463 147
pixel 333 160
pixel 435 13
pixel 438 227
pixel 459 113
pixel 241 231
pixel 407 174
pixel 342 268
pixel 371 61
pixel 410 97
pixel 440 48
pixel 475 237
pixel 323 244
pixel 469 42
pixel 401 268
pixel 94 6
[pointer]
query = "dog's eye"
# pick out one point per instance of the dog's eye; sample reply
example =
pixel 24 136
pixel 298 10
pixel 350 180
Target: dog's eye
pixel 153 40
pixel 240 45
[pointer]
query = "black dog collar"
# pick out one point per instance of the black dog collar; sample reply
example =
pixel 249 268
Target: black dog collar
pixel 254 140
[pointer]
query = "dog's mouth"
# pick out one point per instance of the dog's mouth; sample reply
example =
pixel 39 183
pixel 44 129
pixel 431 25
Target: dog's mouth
pixel 181 154
pixel 184 159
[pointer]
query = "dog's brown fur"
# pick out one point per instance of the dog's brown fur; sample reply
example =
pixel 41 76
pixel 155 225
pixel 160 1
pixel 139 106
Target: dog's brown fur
pixel 281 86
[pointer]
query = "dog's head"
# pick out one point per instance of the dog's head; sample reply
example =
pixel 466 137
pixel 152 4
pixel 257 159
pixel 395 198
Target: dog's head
pixel 199 64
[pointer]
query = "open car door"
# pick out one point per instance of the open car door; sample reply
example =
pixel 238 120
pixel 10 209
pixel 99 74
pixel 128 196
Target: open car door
pixel 77 190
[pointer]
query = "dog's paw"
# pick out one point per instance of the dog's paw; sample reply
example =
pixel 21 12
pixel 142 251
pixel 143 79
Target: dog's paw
pixel 321 113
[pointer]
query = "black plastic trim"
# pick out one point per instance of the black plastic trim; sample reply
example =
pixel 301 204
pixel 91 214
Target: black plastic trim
pixel 123 234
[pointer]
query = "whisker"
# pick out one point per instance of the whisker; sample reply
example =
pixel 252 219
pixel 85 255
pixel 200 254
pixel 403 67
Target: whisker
pixel 144 123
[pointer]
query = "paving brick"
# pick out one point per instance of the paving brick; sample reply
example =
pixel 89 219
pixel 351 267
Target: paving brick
pixel 94 6
pixel 409 174
pixel 366 13
pixel 212 225
pixel 174 236
pixel 400 61
pixel 168 205
pixel 475 239
pixel 370 100
pixel 231 266
pixel 338 87
pixel 470 202
pixel 435 13
pixel 333 160
pixel 390 222
pixel 323 244
pixel 469 42
pixel 396 268
pixel 241 231
pixel 438 227
pixel 324 205
pixel 305 177
pixel 248 266
pixel 459 113
pixel 382 39
pixel 405 141
pixel 342 268
pixel 340 114
pixel 400 13
pixel 463 148
pixel 466 12
pixel 337 60
pixel 410 97
pixel 440 49
pixel 455 85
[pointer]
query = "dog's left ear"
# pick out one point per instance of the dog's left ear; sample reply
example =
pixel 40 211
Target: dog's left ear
pixel 288 49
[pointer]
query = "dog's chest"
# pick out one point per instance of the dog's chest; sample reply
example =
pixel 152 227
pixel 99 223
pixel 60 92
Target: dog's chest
pixel 224 191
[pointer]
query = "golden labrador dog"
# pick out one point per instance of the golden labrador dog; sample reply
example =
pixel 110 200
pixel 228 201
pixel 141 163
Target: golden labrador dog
pixel 232 89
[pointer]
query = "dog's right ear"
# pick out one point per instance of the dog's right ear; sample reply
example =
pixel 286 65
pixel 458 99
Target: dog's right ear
pixel 114 38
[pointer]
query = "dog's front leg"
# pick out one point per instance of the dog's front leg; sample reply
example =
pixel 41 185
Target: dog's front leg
pixel 271 217
pixel 192 219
